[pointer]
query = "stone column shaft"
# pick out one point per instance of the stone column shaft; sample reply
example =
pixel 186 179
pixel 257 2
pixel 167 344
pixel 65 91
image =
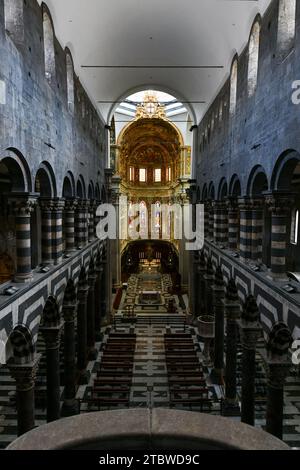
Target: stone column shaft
pixel 82 332
pixel 70 224
pixel 245 228
pixel 25 376
pixel 233 224
pixel 57 230
pixel 52 340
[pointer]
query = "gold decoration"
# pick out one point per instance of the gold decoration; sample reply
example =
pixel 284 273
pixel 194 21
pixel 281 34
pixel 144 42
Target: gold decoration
pixel 150 108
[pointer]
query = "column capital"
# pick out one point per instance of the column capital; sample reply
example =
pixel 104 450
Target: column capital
pixel 46 203
pixel 71 204
pixel 51 335
pixel 232 203
pixel 279 202
pixel 25 374
pixel 69 311
pixel 58 204
pixel 245 203
pixel 23 203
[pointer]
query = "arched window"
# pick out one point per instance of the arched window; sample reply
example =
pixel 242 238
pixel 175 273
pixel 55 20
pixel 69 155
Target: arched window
pixel 70 82
pixel 286 26
pixel 49 52
pixel 157 219
pixel 233 87
pixel 14 25
pixel 253 59
pixel 143 220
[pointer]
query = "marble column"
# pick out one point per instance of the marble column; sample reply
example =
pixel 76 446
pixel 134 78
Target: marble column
pixel 69 214
pixel 245 207
pixel 279 203
pixel 91 330
pixel 71 405
pixel 218 305
pixel 207 207
pixel 250 330
pixel 23 205
pixel 211 221
pixel 83 291
pixel 230 405
pixel 209 279
pixel 98 294
pixel 233 223
pixel 25 376
pixel 91 229
pixel 46 205
pixel 220 223
pixel 52 340
pixel 257 229
pixel 57 231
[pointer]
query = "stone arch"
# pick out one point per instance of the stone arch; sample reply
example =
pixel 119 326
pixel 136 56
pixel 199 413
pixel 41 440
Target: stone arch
pixel 204 192
pixel 211 190
pixel 45 182
pixel 68 190
pixel 80 188
pixel 284 170
pixel 235 186
pixel 257 181
pixel 223 189
pixel 51 313
pixel 91 191
pixel 18 170
pixel 22 345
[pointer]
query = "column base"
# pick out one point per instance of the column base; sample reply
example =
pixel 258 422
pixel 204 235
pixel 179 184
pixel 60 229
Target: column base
pixel 216 377
pixel 230 408
pixel 70 408
pixel 23 278
pixel 92 354
pixel 84 377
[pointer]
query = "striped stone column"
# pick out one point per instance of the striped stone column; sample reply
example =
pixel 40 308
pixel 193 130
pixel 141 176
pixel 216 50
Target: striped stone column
pixel 220 223
pixel 23 205
pixel 245 207
pixel 211 221
pixel 206 219
pixel 91 228
pixel 69 215
pixel 279 203
pixel 46 205
pixel 233 223
pixel 257 229
pixel 79 224
pixel 85 222
pixel 57 230
pixel 96 217
pixel 25 376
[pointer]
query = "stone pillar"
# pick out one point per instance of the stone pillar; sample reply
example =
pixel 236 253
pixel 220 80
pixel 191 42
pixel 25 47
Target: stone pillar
pixel 98 299
pixel 91 330
pixel 23 205
pixel 83 291
pixel 70 406
pixel 211 221
pixel 250 330
pixel 81 225
pixel 96 217
pixel 220 223
pixel 52 340
pixel 230 405
pixel 57 232
pixel 245 227
pixel 218 305
pixel 85 223
pixel 278 364
pixel 70 224
pixel 209 279
pixel 92 221
pixel 46 205
pixel 25 376
pixel 257 230
pixel 207 208
pixel 115 244
pixel 233 223
pixel 279 203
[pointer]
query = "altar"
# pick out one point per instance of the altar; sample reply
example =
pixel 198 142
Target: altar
pixel 150 299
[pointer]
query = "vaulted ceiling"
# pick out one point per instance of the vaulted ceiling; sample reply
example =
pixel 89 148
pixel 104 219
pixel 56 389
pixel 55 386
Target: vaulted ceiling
pixel 114 34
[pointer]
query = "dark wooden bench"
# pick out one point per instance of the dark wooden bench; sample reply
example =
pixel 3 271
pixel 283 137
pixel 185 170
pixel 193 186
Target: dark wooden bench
pixel 98 402
pixel 113 380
